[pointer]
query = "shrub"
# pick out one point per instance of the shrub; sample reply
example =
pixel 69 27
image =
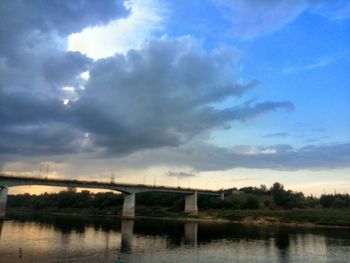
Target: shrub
pixel 251 202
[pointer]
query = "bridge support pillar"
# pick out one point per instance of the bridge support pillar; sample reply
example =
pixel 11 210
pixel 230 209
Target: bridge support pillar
pixel 129 206
pixel 191 204
pixel 222 196
pixel 3 201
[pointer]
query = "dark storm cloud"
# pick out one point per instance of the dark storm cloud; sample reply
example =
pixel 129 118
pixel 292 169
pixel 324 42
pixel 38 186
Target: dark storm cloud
pixel 162 95
pixel 248 110
pixel 180 174
pixel 34 66
pixel 62 16
pixel 279 157
pixel 150 102
pixel 63 68
pixel 36 140
pixel 208 157
pixel 22 108
pixel 33 44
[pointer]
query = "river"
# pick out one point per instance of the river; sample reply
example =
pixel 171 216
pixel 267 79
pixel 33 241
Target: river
pixel 49 238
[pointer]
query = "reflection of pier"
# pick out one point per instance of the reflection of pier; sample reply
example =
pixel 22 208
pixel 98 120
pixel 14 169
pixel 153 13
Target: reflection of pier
pixel 3 201
pixel 191 231
pixel 1 225
pixel 127 233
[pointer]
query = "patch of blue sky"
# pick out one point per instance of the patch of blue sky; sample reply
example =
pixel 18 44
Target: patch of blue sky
pixel 201 19
pixel 318 88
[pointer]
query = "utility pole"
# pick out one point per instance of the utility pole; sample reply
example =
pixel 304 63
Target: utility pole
pixel 47 171
pixel 112 179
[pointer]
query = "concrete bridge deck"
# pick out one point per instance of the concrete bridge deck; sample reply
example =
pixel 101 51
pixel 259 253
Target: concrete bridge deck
pixel 12 180
pixel 129 191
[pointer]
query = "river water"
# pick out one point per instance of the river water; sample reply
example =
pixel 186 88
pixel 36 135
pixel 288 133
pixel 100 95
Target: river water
pixel 38 238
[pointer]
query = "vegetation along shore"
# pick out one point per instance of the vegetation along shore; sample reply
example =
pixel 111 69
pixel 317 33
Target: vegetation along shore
pixel 257 205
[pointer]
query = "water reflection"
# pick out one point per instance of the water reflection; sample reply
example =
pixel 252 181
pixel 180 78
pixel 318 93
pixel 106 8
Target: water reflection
pixel 282 243
pixel 1 225
pixel 191 231
pixel 127 233
pixel 99 239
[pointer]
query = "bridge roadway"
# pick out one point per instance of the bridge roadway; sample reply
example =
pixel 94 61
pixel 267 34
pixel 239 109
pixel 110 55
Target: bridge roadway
pixel 129 191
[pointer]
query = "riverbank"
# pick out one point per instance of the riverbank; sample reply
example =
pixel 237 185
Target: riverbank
pixel 306 217
pixel 293 217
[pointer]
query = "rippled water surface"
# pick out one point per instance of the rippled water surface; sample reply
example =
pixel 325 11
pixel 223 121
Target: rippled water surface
pixel 88 239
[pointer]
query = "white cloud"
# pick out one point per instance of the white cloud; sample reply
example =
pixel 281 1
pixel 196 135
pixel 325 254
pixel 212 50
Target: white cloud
pixel 337 10
pixel 253 18
pixel 69 89
pixel 319 63
pixel 85 75
pixel 119 36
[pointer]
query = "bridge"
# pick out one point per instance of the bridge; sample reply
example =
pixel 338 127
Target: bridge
pixel 129 191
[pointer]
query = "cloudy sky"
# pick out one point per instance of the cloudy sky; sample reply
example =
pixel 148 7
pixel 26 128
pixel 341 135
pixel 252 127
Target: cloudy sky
pixel 209 93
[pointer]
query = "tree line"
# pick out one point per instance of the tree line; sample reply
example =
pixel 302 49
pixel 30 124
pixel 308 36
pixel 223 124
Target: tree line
pixel 275 197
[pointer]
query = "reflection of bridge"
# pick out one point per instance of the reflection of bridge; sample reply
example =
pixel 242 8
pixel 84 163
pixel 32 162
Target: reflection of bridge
pixel 129 191
pixel 127 234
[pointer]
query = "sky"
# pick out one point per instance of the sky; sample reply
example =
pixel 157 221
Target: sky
pixel 209 94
